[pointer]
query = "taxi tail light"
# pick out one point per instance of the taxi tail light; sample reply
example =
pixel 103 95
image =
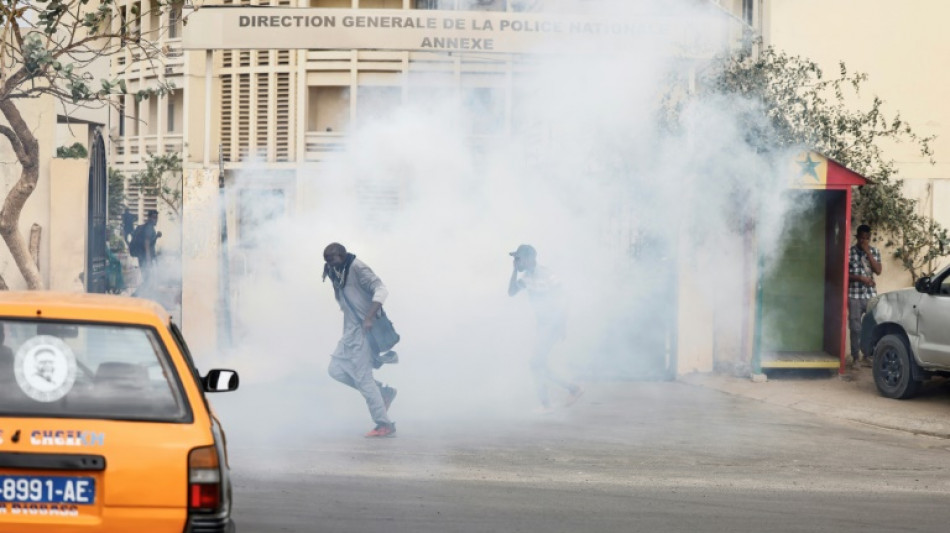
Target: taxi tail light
pixel 204 480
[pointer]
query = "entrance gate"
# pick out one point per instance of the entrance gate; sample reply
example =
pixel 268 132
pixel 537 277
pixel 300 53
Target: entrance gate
pixel 96 238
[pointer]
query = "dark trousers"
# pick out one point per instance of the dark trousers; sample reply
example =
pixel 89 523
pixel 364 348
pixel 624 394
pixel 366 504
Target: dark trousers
pixel 856 309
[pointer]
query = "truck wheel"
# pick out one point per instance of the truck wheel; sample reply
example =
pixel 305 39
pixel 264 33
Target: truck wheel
pixel 893 368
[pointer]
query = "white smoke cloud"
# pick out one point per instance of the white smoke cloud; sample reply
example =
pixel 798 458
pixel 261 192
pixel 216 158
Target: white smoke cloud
pixel 613 203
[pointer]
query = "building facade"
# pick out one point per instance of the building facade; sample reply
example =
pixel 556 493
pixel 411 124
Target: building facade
pixel 254 121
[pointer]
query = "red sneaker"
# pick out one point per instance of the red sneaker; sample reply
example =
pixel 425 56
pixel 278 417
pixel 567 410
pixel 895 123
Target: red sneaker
pixel 382 430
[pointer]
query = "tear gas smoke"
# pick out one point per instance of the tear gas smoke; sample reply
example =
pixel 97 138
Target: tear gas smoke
pixel 628 214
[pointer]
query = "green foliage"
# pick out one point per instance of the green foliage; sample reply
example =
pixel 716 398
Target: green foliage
pixel 76 151
pixel 115 205
pixel 803 107
pixel 48 46
pixel 162 178
pixel 52 58
pixel 116 197
pixel 116 243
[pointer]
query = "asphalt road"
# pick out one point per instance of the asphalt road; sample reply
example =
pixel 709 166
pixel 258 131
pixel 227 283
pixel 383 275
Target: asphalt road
pixel 629 457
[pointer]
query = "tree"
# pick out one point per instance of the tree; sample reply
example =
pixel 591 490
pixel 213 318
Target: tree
pixel 162 178
pixel 803 107
pixel 45 46
pixel 115 203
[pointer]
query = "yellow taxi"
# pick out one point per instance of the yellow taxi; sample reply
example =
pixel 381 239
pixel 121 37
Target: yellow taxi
pixel 104 423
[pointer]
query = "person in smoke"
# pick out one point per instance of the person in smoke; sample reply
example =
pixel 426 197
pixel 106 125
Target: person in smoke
pixel 863 264
pixel 544 290
pixel 142 247
pixel 360 294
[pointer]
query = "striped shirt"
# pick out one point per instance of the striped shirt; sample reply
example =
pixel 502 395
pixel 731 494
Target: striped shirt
pixel 859 265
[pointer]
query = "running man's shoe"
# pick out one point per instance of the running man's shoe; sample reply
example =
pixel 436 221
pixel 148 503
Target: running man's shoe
pixel 382 430
pixel 389 393
pixel 389 358
pixel 574 396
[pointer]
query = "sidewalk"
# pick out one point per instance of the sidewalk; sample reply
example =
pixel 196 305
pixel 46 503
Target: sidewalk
pixel 857 400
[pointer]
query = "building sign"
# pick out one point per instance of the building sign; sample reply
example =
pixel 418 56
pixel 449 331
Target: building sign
pixel 419 30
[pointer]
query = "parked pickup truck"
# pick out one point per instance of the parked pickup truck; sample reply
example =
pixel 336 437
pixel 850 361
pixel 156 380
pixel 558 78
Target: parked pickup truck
pixel 908 334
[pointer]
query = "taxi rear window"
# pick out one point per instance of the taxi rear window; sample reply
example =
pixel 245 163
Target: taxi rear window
pixel 82 370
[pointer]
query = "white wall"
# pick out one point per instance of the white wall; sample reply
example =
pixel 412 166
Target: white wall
pixel 902 47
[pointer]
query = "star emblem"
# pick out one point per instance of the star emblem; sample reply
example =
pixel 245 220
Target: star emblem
pixel 809 166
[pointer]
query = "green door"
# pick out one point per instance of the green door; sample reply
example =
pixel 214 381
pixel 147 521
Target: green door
pixel 793 286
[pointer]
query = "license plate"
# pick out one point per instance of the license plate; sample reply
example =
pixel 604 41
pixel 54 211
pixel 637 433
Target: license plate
pixel 48 489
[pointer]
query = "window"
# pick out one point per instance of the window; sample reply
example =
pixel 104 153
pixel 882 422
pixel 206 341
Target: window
pixel 121 116
pixel 462 5
pixel 175 101
pixel 331 3
pixel 483 5
pixel 328 109
pixel 135 25
pixel 380 4
pixel 174 22
pixel 85 370
pixel 748 10
pixel 445 5
pixel 136 117
pixel 123 22
pixel 151 111
pixel 171 112
pixel 154 20
pixel 945 286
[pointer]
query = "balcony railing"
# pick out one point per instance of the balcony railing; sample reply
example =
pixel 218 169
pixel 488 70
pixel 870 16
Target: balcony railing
pixel 320 145
pixel 174 50
pixel 130 150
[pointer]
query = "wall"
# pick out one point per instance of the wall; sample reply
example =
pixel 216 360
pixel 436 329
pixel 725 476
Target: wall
pixel 900 46
pixel 69 192
pixel 200 250
pixel 41 115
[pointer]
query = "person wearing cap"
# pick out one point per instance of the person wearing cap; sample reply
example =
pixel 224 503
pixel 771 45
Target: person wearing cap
pixel 544 290
pixel 360 294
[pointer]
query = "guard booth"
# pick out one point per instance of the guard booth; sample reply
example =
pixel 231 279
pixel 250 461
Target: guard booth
pixel 802 291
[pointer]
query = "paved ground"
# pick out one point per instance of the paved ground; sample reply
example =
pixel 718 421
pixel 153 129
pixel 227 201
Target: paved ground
pixel 853 398
pixel 703 453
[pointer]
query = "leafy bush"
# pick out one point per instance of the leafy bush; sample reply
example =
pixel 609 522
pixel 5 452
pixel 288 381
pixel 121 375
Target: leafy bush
pixel 76 151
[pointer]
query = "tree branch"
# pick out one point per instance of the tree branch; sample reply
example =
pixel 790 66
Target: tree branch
pixel 14 141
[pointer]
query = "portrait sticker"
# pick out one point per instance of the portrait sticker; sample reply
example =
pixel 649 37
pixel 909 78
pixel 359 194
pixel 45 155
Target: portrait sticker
pixel 45 368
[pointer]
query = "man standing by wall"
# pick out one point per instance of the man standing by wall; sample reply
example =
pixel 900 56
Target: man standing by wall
pixel 360 294
pixel 864 263
pixel 142 247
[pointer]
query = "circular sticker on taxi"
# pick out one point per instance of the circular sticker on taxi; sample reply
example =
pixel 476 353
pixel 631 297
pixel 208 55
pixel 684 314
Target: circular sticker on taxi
pixel 45 368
